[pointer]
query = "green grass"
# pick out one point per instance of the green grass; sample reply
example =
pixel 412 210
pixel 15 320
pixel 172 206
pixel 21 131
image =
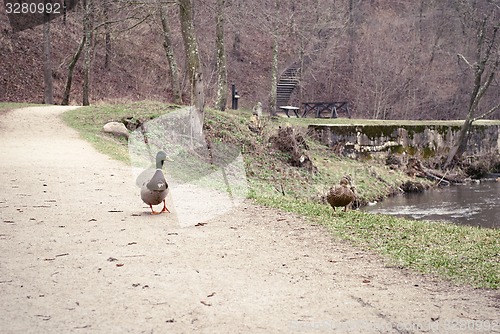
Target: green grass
pixel 462 254
pixel 6 106
pixel 90 120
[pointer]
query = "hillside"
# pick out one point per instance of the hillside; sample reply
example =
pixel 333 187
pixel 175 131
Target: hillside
pixel 388 60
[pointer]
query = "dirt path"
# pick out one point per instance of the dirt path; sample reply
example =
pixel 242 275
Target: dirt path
pixel 80 253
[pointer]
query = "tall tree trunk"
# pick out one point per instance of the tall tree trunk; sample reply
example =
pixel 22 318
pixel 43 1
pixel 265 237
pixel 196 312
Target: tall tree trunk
pixel 71 67
pixel 221 99
pixel 459 148
pixel 274 64
pixel 274 77
pixel 173 69
pixel 107 33
pixel 351 32
pixel 48 95
pixel 193 65
pixel 484 49
pixel 87 31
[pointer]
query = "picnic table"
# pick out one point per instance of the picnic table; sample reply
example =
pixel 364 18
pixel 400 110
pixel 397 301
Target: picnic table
pixel 330 108
pixel 287 109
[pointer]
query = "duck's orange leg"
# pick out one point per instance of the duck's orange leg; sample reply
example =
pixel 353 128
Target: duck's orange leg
pixel 164 207
pixel 153 212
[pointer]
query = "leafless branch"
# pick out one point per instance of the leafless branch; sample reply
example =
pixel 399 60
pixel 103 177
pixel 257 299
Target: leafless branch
pixel 489 112
pixel 460 56
pixel 138 22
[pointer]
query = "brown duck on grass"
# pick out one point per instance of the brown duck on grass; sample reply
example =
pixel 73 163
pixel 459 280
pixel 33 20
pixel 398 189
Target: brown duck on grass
pixel 341 195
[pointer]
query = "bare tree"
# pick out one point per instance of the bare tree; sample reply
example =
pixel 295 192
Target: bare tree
pixel 71 68
pixel 319 29
pixel 484 67
pixel 351 32
pixel 267 21
pixel 274 62
pixel 107 30
pixel 48 96
pixel 221 98
pixel 88 33
pixel 193 65
pixel 173 69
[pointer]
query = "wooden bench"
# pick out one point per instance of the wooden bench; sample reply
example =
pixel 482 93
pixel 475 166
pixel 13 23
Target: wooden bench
pixel 329 108
pixel 287 109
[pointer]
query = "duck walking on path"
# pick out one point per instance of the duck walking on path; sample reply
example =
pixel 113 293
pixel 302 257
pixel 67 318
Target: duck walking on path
pixel 341 195
pixel 154 190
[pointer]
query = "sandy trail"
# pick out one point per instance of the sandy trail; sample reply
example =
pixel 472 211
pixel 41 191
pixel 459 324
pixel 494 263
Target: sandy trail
pixel 80 253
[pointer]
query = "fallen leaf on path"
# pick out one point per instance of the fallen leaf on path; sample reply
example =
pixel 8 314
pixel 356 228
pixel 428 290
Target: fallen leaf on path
pixel 44 317
pixel 211 295
pixel 119 264
pixel 135 255
pixel 205 303
pixel 83 327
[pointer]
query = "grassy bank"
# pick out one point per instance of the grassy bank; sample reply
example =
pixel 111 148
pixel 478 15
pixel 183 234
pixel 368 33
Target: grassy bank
pixel 6 106
pixel 463 254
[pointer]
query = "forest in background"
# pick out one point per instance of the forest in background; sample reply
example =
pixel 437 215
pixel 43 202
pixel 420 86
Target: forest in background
pixel 390 59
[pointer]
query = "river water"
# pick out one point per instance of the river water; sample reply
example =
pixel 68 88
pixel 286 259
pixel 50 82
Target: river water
pixel 471 204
